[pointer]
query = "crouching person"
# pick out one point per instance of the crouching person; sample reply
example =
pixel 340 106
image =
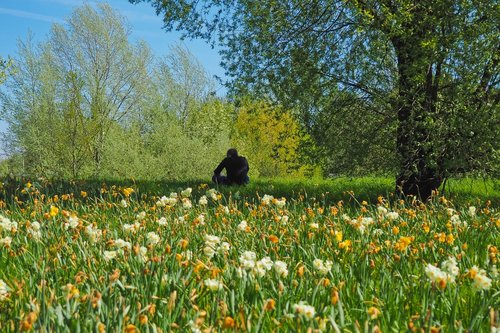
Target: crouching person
pixel 236 170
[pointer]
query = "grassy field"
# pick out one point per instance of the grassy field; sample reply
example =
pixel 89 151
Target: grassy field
pixel 343 255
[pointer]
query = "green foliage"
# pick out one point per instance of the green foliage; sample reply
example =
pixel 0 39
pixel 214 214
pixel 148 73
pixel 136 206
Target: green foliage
pixel 270 138
pixel 4 66
pixel 425 71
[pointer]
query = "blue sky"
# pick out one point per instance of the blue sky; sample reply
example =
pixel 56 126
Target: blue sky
pixel 17 17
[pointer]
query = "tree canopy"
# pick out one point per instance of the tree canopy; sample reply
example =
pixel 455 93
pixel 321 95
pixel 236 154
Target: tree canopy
pixel 427 69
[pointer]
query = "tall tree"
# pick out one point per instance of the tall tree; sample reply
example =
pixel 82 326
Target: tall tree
pixel 94 44
pixel 67 94
pixel 429 66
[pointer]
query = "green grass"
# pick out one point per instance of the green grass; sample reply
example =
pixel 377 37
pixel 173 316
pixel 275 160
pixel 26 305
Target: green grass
pixel 462 191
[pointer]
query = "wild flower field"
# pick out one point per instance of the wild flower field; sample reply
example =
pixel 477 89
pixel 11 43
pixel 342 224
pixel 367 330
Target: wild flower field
pixel 201 261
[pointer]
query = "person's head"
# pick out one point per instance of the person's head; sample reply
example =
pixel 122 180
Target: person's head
pixel 232 152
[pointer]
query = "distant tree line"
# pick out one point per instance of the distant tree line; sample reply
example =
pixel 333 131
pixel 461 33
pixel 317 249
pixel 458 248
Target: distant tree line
pixel 87 103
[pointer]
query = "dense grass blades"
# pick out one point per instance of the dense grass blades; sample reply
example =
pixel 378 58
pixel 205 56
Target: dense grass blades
pixel 201 259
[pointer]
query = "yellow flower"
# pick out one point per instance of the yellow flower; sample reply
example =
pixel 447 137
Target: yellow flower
pixel 450 239
pixel 127 191
pixel 83 194
pixel 143 319
pixel 131 329
pixel 228 323
pixel 184 243
pixel 403 243
pixel 335 296
pixel 373 312
pixel 53 211
pixel 274 239
pixel 347 244
pixel 270 304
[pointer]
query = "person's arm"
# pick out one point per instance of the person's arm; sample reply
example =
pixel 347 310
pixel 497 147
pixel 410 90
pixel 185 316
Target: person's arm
pixel 244 168
pixel 220 167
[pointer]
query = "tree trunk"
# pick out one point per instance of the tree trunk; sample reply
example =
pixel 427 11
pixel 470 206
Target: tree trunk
pixel 418 172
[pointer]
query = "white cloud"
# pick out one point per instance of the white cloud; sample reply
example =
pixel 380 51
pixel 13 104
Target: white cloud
pixel 30 15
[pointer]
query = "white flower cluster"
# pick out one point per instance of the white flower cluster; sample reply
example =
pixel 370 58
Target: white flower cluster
pixel 4 291
pixel 152 238
pixel 361 223
pixel 187 192
pixel 323 267
pixel 455 220
pixel 121 244
pixel 7 225
pixel 213 285
pixel 131 228
pixel 94 233
pixel 314 225
pixel 472 211
pixel 6 241
pixel 162 221
pixel 280 203
pixel 481 280
pixel 243 226
pixel 186 203
pixel 167 201
pixel 212 194
pixel 143 251
pixel 266 200
pixel 262 266
pixel 451 268
pixel 72 223
pixel 109 255
pixel 280 268
pixel 212 246
pixel 35 230
pixel 140 216
pixel 384 213
pixel 448 272
pixel 203 200
pixel 249 263
pixel 305 310
pixel 247 260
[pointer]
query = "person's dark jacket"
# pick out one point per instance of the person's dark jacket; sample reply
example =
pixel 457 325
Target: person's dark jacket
pixel 236 169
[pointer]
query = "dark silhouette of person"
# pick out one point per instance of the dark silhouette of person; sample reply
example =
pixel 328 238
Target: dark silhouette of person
pixel 236 170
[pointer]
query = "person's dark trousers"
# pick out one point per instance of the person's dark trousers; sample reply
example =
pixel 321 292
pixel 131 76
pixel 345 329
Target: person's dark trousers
pixel 223 180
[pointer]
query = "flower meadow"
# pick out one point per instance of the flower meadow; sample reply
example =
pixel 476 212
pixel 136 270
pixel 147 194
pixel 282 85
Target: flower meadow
pixel 200 261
